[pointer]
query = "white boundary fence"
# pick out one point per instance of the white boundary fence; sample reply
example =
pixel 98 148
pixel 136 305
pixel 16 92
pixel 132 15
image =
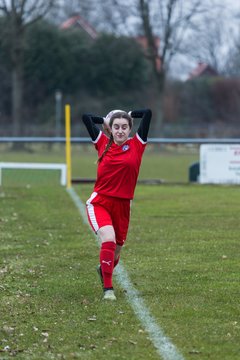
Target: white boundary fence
pixel 36 166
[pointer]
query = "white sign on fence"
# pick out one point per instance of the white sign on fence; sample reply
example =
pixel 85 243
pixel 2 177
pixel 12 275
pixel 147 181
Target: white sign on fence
pixel 219 164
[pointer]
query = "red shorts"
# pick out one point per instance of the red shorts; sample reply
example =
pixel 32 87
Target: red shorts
pixel 105 210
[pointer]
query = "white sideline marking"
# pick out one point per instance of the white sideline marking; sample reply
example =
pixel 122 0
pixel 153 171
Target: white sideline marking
pixel 165 348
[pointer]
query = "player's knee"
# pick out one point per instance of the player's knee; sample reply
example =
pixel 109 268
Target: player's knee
pixel 106 233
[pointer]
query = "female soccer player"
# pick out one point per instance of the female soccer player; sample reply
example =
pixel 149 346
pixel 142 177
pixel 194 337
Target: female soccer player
pixel 119 160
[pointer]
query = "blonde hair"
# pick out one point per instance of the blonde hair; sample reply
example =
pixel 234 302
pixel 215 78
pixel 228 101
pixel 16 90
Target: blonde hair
pixel 116 115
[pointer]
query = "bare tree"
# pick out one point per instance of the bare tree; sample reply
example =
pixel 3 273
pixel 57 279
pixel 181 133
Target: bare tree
pixel 232 67
pixel 169 21
pixel 173 23
pixel 19 15
pixel 215 39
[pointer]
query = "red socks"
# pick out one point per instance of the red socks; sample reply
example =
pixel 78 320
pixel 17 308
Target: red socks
pixel 107 262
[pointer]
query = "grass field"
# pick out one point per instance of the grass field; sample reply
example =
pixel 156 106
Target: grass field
pixel 168 163
pixel 182 255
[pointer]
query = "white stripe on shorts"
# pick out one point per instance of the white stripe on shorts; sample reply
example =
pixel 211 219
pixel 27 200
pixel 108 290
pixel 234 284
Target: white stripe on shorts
pixel 91 213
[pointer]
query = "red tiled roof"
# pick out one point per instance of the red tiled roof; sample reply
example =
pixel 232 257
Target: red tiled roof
pixel 77 20
pixel 202 69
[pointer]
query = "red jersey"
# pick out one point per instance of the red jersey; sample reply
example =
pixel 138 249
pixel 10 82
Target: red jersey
pixel 119 168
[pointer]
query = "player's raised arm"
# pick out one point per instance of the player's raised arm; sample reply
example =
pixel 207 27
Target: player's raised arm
pixel 146 116
pixel 90 122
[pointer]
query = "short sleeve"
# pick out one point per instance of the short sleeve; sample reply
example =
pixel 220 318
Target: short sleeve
pixel 101 142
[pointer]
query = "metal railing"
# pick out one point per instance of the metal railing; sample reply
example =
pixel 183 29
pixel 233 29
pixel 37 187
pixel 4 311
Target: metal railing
pixel 82 140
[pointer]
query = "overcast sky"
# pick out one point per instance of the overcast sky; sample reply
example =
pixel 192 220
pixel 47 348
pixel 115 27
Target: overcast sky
pixel 182 65
pixel 225 11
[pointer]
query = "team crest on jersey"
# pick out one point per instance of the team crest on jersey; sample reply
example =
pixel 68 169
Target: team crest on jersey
pixel 125 147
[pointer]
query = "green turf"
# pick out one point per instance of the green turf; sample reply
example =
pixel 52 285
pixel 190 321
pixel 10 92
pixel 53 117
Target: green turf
pixel 30 177
pixel 182 254
pixel 166 163
pixel 50 302
pixel 194 236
